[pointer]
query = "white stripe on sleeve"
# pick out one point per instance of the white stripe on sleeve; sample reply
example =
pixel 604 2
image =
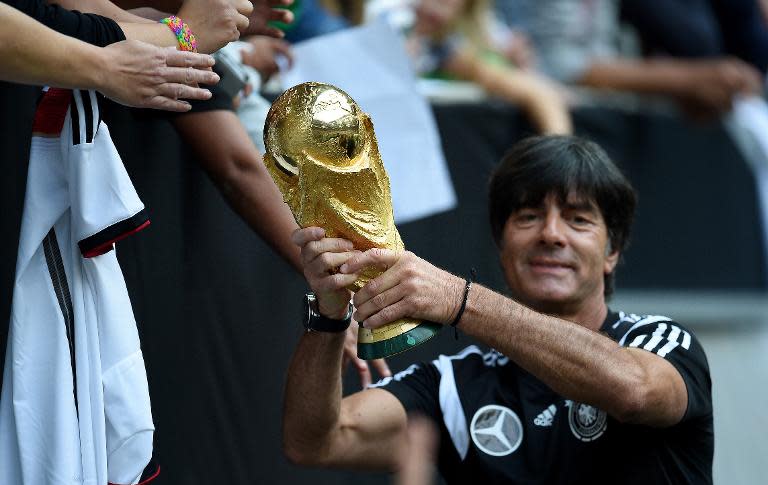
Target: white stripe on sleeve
pixel 645 321
pixel 686 340
pixel 657 337
pixel 638 340
pixel 671 342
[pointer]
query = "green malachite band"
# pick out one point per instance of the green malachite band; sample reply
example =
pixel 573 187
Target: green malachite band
pixel 400 343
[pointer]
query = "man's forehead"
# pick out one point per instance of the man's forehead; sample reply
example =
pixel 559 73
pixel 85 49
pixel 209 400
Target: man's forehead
pixel 572 200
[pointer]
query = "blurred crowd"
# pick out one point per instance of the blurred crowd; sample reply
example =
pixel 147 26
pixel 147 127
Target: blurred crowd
pixel 705 56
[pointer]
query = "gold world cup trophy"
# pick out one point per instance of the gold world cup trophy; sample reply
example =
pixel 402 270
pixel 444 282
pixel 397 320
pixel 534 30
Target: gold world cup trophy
pixel 323 156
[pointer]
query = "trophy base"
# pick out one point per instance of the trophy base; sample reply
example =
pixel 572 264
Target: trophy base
pixel 394 338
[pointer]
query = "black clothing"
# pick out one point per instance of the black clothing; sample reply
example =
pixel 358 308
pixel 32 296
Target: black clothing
pixel 219 100
pixel 701 28
pixel 500 424
pixel 90 28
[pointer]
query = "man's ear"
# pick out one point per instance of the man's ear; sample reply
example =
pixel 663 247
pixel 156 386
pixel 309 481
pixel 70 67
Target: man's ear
pixel 611 259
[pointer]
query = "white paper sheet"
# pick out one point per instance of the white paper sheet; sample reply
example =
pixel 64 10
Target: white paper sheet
pixel 370 63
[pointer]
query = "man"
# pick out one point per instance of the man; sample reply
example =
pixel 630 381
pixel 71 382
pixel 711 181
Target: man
pixel 575 393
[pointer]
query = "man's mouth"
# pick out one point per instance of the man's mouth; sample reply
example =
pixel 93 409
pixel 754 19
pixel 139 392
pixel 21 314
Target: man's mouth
pixel 549 265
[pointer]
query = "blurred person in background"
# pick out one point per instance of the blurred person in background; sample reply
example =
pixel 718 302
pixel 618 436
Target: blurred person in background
pixel 731 38
pixel 574 393
pixel 576 42
pixel 701 29
pixel 454 38
pixel 313 18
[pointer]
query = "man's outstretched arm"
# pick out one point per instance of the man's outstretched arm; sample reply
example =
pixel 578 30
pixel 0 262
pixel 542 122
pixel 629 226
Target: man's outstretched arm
pixel 320 428
pixel 226 152
pixel 215 23
pixel 130 72
pixel 630 384
pixel 702 86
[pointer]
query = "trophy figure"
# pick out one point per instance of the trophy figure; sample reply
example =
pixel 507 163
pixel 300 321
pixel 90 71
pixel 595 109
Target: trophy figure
pixel 323 156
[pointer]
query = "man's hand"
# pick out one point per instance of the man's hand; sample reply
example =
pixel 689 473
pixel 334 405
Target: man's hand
pixel 264 11
pixel 519 50
pixel 361 366
pixel 215 23
pixel 321 257
pixel 409 287
pixel 263 54
pixel 715 84
pixel 144 76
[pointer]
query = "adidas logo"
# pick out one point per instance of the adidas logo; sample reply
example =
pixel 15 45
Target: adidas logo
pixel 546 417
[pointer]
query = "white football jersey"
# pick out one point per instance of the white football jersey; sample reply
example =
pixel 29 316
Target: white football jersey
pixel 74 407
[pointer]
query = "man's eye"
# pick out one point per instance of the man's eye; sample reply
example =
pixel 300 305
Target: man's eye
pixel 580 220
pixel 526 217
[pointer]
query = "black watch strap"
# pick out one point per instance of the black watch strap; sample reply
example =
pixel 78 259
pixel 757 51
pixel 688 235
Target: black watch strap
pixel 314 321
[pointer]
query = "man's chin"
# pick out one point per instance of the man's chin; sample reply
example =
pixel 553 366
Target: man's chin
pixel 546 300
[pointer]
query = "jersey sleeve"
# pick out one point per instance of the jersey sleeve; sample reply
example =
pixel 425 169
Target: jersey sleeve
pixel 417 389
pixel 678 346
pixel 91 28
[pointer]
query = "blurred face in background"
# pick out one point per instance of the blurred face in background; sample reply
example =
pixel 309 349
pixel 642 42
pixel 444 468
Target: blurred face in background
pixel 555 255
pixel 435 16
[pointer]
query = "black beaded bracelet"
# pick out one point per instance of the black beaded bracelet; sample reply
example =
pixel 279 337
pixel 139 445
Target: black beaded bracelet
pixel 463 306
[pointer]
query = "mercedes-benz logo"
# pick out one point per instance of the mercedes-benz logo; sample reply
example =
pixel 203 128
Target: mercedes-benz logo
pixel 496 430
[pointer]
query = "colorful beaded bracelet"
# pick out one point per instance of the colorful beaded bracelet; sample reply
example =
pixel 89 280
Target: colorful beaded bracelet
pixel 184 35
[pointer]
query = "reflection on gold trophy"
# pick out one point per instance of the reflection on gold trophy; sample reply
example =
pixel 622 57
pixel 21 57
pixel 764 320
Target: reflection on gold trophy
pixel 323 156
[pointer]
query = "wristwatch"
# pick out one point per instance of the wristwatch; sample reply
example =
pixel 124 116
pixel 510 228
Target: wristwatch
pixel 315 322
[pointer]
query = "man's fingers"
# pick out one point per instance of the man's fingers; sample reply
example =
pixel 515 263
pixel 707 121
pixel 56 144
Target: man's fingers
pixel 381 367
pixel 244 7
pixel 242 22
pixel 270 32
pixel 300 237
pixel 376 257
pixel 182 91
pixel 189 76
pixel 167 104
pixel 387 315
pixel 363 371
pixel 315 248
pixel 325 262
pixel 281 15
pixel 177 58
pixel 384 297
pixel 333 282
pixel 376 286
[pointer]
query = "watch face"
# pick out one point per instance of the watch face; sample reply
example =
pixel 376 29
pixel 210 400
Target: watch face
pixel 309 299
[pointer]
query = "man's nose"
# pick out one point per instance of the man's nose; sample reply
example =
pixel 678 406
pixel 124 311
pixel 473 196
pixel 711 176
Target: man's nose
pixel 553 230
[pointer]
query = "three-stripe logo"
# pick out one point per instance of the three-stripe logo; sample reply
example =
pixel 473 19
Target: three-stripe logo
pixel 663 340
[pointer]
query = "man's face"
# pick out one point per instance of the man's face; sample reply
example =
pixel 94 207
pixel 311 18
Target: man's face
pixel 554 256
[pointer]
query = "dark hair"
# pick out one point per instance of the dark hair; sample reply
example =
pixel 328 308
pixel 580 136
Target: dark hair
pixel 541 165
